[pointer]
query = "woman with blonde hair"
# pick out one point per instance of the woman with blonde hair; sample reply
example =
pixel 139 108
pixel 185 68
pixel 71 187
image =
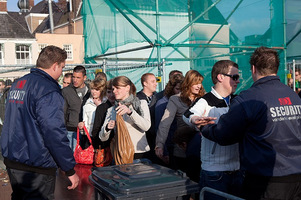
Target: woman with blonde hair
pixel 191 89
pixel 97 97
pixel 134 112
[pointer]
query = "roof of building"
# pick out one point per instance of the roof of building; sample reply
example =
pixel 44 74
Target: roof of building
pixel 13 25
pixel 60 16
pixel 45 25
pixel 43 7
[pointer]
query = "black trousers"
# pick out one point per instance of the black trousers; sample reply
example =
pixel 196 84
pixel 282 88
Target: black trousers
pixel 31 186
pixel 257 187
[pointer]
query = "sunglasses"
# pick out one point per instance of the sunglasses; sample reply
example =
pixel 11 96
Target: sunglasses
pixel 234 77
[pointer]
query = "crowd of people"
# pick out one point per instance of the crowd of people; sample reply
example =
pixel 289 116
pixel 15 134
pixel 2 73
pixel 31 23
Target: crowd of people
pixel 247 145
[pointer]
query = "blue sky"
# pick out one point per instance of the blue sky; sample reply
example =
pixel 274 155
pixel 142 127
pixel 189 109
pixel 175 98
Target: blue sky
pixel 12 5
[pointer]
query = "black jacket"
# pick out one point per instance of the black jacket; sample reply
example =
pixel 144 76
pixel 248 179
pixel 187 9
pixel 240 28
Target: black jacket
pixel 100 116
pixel 151 133
pixel 73 107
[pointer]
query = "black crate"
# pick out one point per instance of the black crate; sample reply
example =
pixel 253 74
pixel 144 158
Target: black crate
pixel 141 181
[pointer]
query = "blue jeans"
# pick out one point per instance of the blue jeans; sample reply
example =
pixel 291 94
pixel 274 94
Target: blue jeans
pixel 228 182
pixel 72 139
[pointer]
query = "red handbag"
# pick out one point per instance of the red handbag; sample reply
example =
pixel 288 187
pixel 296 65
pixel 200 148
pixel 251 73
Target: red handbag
pixel 84 156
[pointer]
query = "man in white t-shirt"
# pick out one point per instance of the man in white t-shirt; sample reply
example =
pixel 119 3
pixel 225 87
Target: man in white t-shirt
pixel 220 164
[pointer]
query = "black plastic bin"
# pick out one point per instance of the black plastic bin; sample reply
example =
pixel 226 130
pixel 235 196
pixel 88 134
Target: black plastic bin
pixel 141 181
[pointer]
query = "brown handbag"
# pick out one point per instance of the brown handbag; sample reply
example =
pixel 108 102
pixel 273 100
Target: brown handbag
pixel 123 149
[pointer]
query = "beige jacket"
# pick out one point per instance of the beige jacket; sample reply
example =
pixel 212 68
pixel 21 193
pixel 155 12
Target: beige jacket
pixel 136 124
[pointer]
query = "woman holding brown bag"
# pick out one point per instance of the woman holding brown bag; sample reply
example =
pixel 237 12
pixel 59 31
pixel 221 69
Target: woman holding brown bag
pixel 133 119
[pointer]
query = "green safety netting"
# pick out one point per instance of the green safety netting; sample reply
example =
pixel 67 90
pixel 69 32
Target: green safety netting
pixel 132 35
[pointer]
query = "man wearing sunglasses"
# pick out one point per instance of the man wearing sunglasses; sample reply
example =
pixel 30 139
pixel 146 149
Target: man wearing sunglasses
pixel 265 120
pixel 220 164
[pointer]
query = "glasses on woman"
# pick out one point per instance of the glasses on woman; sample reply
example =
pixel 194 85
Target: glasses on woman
pixel 234 77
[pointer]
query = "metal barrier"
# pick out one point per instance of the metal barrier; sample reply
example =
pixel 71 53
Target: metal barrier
pixel 217 192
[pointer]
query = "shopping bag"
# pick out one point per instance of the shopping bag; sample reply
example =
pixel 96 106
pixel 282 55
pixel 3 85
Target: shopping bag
pixel 123 149
pixel 84 156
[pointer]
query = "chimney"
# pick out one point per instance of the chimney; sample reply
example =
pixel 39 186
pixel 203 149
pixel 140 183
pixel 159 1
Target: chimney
pixel 3 6
pixel 31 4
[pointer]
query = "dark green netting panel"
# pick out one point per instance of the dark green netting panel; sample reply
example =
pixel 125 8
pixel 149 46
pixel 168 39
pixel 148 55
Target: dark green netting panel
pixel 132 35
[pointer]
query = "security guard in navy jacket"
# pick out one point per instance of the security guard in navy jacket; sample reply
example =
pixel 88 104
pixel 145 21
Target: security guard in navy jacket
pixel 266 121
pixel 34 138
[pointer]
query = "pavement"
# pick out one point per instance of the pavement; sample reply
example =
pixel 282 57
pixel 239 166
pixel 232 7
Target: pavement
pixel 5 188
pixel 85 191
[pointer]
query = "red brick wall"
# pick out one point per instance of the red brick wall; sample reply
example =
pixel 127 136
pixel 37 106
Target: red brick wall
pixel 31 4
pixel 3 6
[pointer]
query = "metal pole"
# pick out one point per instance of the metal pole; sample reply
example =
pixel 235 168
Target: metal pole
pixel 104 64
pixel 219 193
pixel 158 43
pixel 222 46
pixel 294 77
pixel 284 36
pixel 163 73
pixel 124 51
pixel 50 15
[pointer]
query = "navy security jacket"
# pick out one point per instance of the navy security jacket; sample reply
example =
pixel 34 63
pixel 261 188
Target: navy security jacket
pixel 34 137
pixel 266 121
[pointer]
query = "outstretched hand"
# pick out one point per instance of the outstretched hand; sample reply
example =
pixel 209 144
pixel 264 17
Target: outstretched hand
pixel 199 121
pixel 202 121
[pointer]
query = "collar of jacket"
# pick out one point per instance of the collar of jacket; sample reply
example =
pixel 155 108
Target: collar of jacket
pixel 44 74
pixel 266 79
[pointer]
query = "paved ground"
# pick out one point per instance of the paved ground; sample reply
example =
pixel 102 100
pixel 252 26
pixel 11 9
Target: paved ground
pixel 85 191
pixel 5 189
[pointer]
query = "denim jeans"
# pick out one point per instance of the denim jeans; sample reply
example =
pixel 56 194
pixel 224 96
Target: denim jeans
pixel 72 139
pixel 228 182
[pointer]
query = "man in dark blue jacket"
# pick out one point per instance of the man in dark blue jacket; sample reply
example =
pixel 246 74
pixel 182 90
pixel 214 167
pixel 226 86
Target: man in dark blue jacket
pixel 34 138
pixel 266 121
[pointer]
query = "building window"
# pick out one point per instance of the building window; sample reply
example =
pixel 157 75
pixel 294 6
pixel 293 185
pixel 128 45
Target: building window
pixel 68 49
pixel 23 54
pixel 41 46
pixel 1 54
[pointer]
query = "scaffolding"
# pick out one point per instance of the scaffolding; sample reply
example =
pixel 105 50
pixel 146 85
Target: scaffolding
pixel 190 34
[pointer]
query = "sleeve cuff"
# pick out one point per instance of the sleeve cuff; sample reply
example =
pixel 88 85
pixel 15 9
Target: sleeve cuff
pixel 70 172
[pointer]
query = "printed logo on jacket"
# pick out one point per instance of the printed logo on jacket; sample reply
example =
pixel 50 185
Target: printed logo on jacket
pixel 285 110
pixel 17 94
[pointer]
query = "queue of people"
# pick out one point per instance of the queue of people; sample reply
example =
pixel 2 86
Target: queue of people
pixel 247 145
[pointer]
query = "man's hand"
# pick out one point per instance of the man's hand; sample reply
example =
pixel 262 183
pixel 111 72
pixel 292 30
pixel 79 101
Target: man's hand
pixel 74 181
pixel 202 121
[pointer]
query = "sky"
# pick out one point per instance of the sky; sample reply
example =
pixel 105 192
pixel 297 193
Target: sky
pixel 12 5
